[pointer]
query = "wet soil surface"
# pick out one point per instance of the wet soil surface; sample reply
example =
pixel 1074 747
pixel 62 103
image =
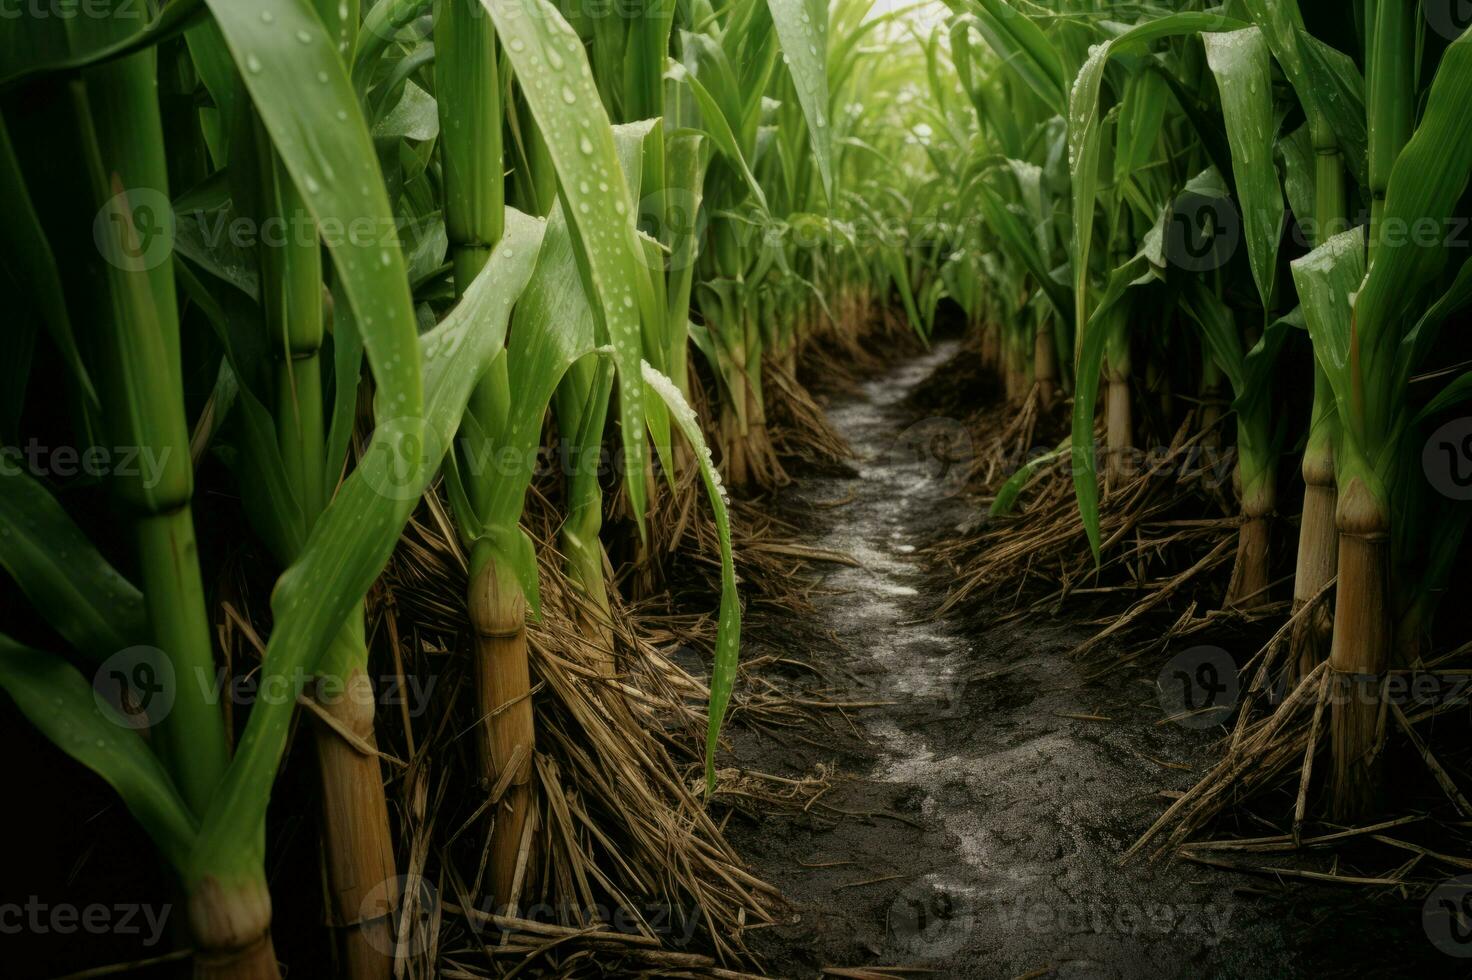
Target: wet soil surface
pixel 977 816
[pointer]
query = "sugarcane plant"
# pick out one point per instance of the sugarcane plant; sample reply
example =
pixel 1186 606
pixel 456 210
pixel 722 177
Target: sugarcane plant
pixel 1263 118
pixel 205 809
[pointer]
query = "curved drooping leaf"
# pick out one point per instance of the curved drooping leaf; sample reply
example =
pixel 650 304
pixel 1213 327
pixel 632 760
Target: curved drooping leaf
pixel 62 573
pixel 1025 49
pixel 57 699
pixel 32 45
pixel 1326 279
pixel 1012 489
pixel 728 629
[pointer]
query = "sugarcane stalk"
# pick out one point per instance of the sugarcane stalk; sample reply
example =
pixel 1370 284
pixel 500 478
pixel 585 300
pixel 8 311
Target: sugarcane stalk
pixel 471 148
pixel 231 924
pixel 1363 610
pixel 1318 537
pixel 143 405
pixel 1361 649
pixel 358 847
pixel 503 689
pixel 1257 490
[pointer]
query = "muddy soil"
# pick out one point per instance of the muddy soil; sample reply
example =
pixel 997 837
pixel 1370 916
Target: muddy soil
pixel 977 816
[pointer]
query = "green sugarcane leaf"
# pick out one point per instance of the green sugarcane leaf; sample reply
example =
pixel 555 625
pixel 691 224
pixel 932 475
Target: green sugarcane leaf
pixel 728 632
pixel 1085 129
pixel 802 28
pixel 1012 489
pixel 553 71
pixel 291 67
pixel 1219 331
pixel 211 59
pixel 1422 337
pixel 1297 152
pixel 33 265
pixel 36 44
pixel 1024 48
pixel 1243 70
pixel 1341 99
pixel 352 541
pixel 1140 118
pixel 718 128
pixel 1093 344
pixel 1021 244
pixel 1326 81
pixel 57 699
pixel 553 328
pixel 1453 394
pixel 1428 180
pixel 1327 279
pixel 61 572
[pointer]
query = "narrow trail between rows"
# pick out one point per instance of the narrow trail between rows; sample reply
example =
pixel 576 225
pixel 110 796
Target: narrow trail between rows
pixel 977 815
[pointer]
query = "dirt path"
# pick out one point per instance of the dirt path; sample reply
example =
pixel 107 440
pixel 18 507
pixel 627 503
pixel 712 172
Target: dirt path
pixel 975 820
